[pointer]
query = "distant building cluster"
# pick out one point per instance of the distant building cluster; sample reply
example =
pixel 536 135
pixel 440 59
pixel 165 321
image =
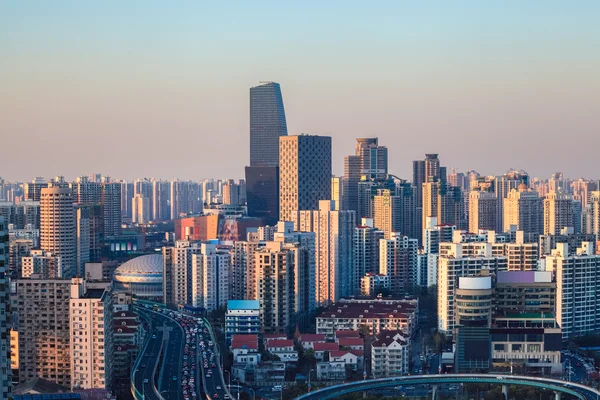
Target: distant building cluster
pixel 300 262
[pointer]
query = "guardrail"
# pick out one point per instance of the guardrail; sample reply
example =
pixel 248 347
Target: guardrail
pixel 217 355
pixel 136 394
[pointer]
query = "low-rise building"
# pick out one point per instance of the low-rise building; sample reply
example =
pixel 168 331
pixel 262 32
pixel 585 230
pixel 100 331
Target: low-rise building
pixel 390 354
pixel 308 340
pixel 370 317
pixel 351 343
pixel 322 348
pixel 332 371
pixel 371 284
pixel 245 349
pixel 243 317
pixel 284 349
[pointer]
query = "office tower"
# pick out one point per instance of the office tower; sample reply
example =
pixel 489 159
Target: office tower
pixel 408 224
pixel 243 279
pixel 57 227
pixel 111 207
pixel 398 260
pixel 387 215
pixel 524 292
pixel 276 286
pixel 558 213
pixel 5 379
pixel 337 191
pixel 91 323
pixel 44 265
pixel 334 231
pixel 523 209
pixel 262 193
pixel 267 124
pixel 140 209
pixel 160 210
pixel 370 162
pixel 504 184
pixel 483 210
pixel 473 305
pixel 304 173
pixel 231 193
pixel 242 185
pixel 459 260
pixel 42 306
pixel 177 272
pixel 577 289
pixel 366 251
pixel 211 273
pixel 186 198
pixel 127 191
pixel 451 207
pixel 33 190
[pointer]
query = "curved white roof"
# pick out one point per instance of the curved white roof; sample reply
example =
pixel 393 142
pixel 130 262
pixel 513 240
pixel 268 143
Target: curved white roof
pixel 143 268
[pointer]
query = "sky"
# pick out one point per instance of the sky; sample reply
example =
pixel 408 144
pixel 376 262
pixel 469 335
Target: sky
pixel 161 89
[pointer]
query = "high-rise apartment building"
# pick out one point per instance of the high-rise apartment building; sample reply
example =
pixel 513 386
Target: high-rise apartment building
pixel 275 286
pixel 502 186
pixel 140 209
pixel 231 193
pixel 91 336
pixel 160 210
pixel 243 278
pixel 44 344
pixel 398 260
pixel 43 264
pixel 483 211
pixel 33 190
pixel 186 198
pixel 387 215
pixel 558 212
pixel 334 231
pixel 177 272
pixel 370 163
pixel 451 207
pixel 304 173
pixel 429 201
pixel 211 269
pixel 424 170
pixel 111 207
pixel 523 209
pixel 267 124
pixel 57 227
pixel 5 375
pixel 366 251
pixel 337 190
pixel 577 289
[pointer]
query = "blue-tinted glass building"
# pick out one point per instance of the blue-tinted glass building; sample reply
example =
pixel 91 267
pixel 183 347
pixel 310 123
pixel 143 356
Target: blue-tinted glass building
pixel 267 124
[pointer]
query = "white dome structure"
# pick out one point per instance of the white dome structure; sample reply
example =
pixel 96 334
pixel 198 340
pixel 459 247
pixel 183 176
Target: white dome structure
pixel 141 276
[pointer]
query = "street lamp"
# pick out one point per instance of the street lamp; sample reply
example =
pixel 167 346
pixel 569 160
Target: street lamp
pixel 309 372
pixel 238 388
pixel 229 375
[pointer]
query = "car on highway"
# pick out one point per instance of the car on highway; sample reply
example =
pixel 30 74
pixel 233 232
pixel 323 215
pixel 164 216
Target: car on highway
pixel 145 380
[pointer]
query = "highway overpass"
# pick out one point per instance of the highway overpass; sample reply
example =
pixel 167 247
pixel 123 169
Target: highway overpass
pixel 558 387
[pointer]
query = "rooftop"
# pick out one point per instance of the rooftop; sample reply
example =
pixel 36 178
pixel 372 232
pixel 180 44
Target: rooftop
pixel 368 310
pixel 243 305
pixel 312 337
pixel 326 346
pixel 280 343
pixel 93 294
pixel 351 341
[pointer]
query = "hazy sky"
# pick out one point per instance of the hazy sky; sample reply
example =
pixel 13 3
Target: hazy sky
pixel 160 88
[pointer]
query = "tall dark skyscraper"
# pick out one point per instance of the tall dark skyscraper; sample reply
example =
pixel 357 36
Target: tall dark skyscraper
pixel 267 124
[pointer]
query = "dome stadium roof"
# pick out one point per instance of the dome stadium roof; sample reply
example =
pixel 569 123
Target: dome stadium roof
pixel 146 268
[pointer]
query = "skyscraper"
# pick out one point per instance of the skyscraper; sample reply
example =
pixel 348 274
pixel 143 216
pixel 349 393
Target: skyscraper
pixel 57 227
pixel 140 209
pixel 267 124
pixel 304 174
pixel 387 215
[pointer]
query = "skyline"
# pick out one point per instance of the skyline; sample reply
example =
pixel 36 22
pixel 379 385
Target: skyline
pixel 460 79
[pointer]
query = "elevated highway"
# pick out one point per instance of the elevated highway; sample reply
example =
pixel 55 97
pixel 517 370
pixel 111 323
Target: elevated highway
pixel 557 386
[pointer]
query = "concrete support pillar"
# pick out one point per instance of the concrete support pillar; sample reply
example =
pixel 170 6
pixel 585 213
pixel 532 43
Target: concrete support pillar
pixel 557 395
pixel 505 391
pixel 434 390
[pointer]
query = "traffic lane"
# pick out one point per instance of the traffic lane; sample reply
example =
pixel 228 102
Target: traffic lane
pixel 172 362
pixel 149 360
